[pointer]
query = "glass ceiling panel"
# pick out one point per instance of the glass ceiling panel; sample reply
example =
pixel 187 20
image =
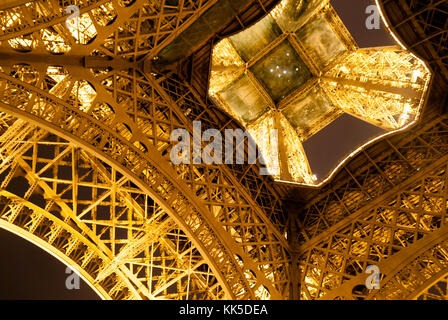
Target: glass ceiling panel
pixel 281 71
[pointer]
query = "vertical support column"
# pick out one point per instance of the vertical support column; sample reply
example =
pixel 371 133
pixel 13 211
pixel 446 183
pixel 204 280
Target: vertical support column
pixel 292 209
pixel 283 157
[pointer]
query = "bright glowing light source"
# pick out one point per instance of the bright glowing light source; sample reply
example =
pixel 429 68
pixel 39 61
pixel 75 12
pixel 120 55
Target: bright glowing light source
pixel 344 69
pixel 415 75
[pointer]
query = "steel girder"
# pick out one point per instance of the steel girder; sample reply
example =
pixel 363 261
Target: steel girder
pixel 413 273
pixel 125 118
pixel 95 220
pixel 389 197
pixel 115 121
pixel 383 204
pixel 421 26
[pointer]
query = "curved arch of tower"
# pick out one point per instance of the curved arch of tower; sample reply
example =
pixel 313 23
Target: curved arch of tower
pixel 89 100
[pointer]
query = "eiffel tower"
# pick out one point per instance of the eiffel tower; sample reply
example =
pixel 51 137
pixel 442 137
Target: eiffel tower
pixel 91 92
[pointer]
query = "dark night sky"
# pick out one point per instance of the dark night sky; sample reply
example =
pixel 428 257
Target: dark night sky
pixel 27 272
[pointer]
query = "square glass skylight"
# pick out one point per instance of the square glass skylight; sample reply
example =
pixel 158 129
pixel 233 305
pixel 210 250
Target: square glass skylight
pixel 281 71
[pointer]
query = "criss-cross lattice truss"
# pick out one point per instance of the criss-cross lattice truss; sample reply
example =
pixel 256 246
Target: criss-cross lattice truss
pixel 387 206
pixel 90 215
pixel 371 213
pixel 94 95
pixel 298 70
pixel 421 26
pixel 85 170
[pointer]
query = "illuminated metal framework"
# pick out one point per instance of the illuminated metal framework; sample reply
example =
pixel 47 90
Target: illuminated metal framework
pixel 421 25
pixel 94 95
pixel 85 174
pixel 385 200
pixel 87 214
pixel 298 70
pixel 387 206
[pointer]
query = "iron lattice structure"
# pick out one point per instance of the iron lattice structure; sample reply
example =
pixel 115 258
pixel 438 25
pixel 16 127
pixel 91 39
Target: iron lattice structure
pixel 86 117
pixel 298 70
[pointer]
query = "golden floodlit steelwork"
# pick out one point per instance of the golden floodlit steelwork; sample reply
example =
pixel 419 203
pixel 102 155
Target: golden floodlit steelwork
pixel 299 69
pixel 89 98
